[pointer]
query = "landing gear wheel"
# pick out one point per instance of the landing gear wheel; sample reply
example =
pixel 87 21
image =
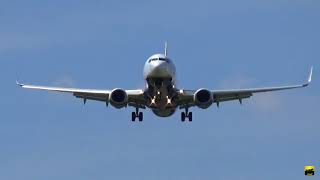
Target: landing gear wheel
pixel 137 114
pixel 140 116
pixel 133 116
pixel 190 116
pixel 183 116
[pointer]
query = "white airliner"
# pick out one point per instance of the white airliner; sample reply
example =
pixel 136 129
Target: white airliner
pixel 161 94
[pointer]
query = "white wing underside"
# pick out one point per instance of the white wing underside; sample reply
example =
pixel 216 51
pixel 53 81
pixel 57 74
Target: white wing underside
pixel 92 94
pixel 186 96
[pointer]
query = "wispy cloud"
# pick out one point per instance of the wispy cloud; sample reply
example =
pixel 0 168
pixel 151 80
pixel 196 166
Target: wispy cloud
pixel 263 102
pixel 237 82
pixel 266 102
pixel 65 81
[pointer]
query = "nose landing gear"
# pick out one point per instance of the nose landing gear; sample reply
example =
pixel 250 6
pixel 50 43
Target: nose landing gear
pixel 185 115
pixel 137 114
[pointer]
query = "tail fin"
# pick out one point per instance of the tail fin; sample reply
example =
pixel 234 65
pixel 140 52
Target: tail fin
pixel 166 49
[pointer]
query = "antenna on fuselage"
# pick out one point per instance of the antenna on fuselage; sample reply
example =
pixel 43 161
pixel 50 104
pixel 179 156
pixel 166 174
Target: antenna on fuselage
pixel 166 48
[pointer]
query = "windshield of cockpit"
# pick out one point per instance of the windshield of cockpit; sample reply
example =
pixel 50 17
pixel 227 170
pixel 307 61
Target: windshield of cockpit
pixel 158 59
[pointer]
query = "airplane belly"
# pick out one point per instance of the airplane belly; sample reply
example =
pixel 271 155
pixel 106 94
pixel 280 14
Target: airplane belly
pixel 163 113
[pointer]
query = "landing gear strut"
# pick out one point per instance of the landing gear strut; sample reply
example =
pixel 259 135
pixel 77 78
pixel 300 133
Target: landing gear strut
pixel 137 114
pixel 185 115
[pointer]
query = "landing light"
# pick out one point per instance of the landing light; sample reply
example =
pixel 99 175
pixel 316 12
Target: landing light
pixel 168 100
pixel 153 100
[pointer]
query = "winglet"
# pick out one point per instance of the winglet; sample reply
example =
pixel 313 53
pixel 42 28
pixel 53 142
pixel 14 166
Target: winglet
pixel 309 77
pixel 19 84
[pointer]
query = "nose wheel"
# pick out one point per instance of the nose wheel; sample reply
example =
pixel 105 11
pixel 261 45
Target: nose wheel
pixel 185 115
pixel 137 114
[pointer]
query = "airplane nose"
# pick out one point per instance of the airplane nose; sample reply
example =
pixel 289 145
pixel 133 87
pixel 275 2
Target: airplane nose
pixel 160 69
pixel 159 65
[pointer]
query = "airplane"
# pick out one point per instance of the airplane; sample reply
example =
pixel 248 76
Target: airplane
pixel 161 94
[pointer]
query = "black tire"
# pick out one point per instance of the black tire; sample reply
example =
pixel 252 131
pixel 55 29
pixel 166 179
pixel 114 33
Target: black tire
pixel 140 116
pixel 190 116
pixel 133 116
pixel 183 116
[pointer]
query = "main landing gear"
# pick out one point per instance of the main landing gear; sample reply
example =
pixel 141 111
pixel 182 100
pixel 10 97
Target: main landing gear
pixel 137 114
pixel 185 115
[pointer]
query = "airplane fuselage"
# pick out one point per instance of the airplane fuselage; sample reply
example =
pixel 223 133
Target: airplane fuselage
pixel 160 76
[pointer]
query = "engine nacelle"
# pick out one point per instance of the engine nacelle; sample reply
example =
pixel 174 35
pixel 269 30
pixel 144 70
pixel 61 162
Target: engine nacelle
pixel 118 98
pixel 203 98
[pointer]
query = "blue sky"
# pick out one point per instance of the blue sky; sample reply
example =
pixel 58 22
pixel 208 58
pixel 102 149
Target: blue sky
pixel 104 44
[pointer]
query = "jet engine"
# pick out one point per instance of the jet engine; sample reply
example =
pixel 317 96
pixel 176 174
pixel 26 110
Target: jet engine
pixel 118 98
pixel 203 98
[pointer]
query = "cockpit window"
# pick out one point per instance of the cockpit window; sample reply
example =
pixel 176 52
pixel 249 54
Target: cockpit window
pixel 160 59
pixel 154 59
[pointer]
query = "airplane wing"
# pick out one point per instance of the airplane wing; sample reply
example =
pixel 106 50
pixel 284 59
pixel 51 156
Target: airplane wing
pixel 186 96
pixel 135 97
